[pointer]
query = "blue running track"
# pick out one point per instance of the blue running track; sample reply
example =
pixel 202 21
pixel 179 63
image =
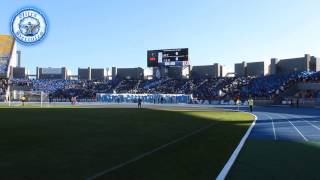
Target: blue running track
pixel 288 124
pixel 283 144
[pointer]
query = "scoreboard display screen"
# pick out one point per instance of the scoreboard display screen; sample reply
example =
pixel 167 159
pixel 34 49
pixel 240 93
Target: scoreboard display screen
pixel 170 55
pixel 153 58
pixel 167 57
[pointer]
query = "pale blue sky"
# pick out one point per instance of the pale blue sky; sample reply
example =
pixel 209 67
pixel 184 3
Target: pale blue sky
pixel 118 33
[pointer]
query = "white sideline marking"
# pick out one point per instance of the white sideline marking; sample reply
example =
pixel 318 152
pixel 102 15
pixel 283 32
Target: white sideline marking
pixel 224 172
pixel 314 135
pixel 274 130
pixel 313 125
pixel 296 127
pixel 309 122
pixel 150 152
pixel 298 131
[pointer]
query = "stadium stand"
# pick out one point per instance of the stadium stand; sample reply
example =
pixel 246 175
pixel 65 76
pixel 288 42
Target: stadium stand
pixel 269 87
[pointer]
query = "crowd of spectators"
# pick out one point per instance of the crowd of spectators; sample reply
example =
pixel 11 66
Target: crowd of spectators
pixel 65 89
pixel 127 86
pixel 273 85
pixel 207 89
pixel 48 86
pixel 169 86
pixel 203 89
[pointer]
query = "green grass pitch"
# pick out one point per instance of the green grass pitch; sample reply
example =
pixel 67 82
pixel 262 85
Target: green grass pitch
pixel 77 143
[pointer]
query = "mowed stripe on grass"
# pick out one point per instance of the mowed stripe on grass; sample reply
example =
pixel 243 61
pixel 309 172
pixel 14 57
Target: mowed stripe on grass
pixel 77 143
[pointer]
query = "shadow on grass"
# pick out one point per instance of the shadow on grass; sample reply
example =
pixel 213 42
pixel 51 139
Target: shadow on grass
pixel 78 143
pixel 289 157
pixel 262 159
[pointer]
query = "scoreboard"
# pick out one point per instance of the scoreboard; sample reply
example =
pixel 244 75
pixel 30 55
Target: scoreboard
pixel 153 60
pixel 168 57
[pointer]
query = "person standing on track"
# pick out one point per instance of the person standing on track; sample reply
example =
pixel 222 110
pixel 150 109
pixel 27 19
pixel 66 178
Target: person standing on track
pixel 23 100
pixel 250 103
pixel 139 103
pixel 238 102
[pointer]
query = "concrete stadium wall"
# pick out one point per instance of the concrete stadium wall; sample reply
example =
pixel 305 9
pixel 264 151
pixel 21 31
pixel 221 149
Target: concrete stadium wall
pixel 175 72
pixel 240 69
pixel 207 71
pixel 273 66
pixel 256 69
pixel 19 72
pixel 44 73
pixel 130 73
pixel 202 71
pixel 314 64
pixel 98 74
pixel 84 74
pixel 286 66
